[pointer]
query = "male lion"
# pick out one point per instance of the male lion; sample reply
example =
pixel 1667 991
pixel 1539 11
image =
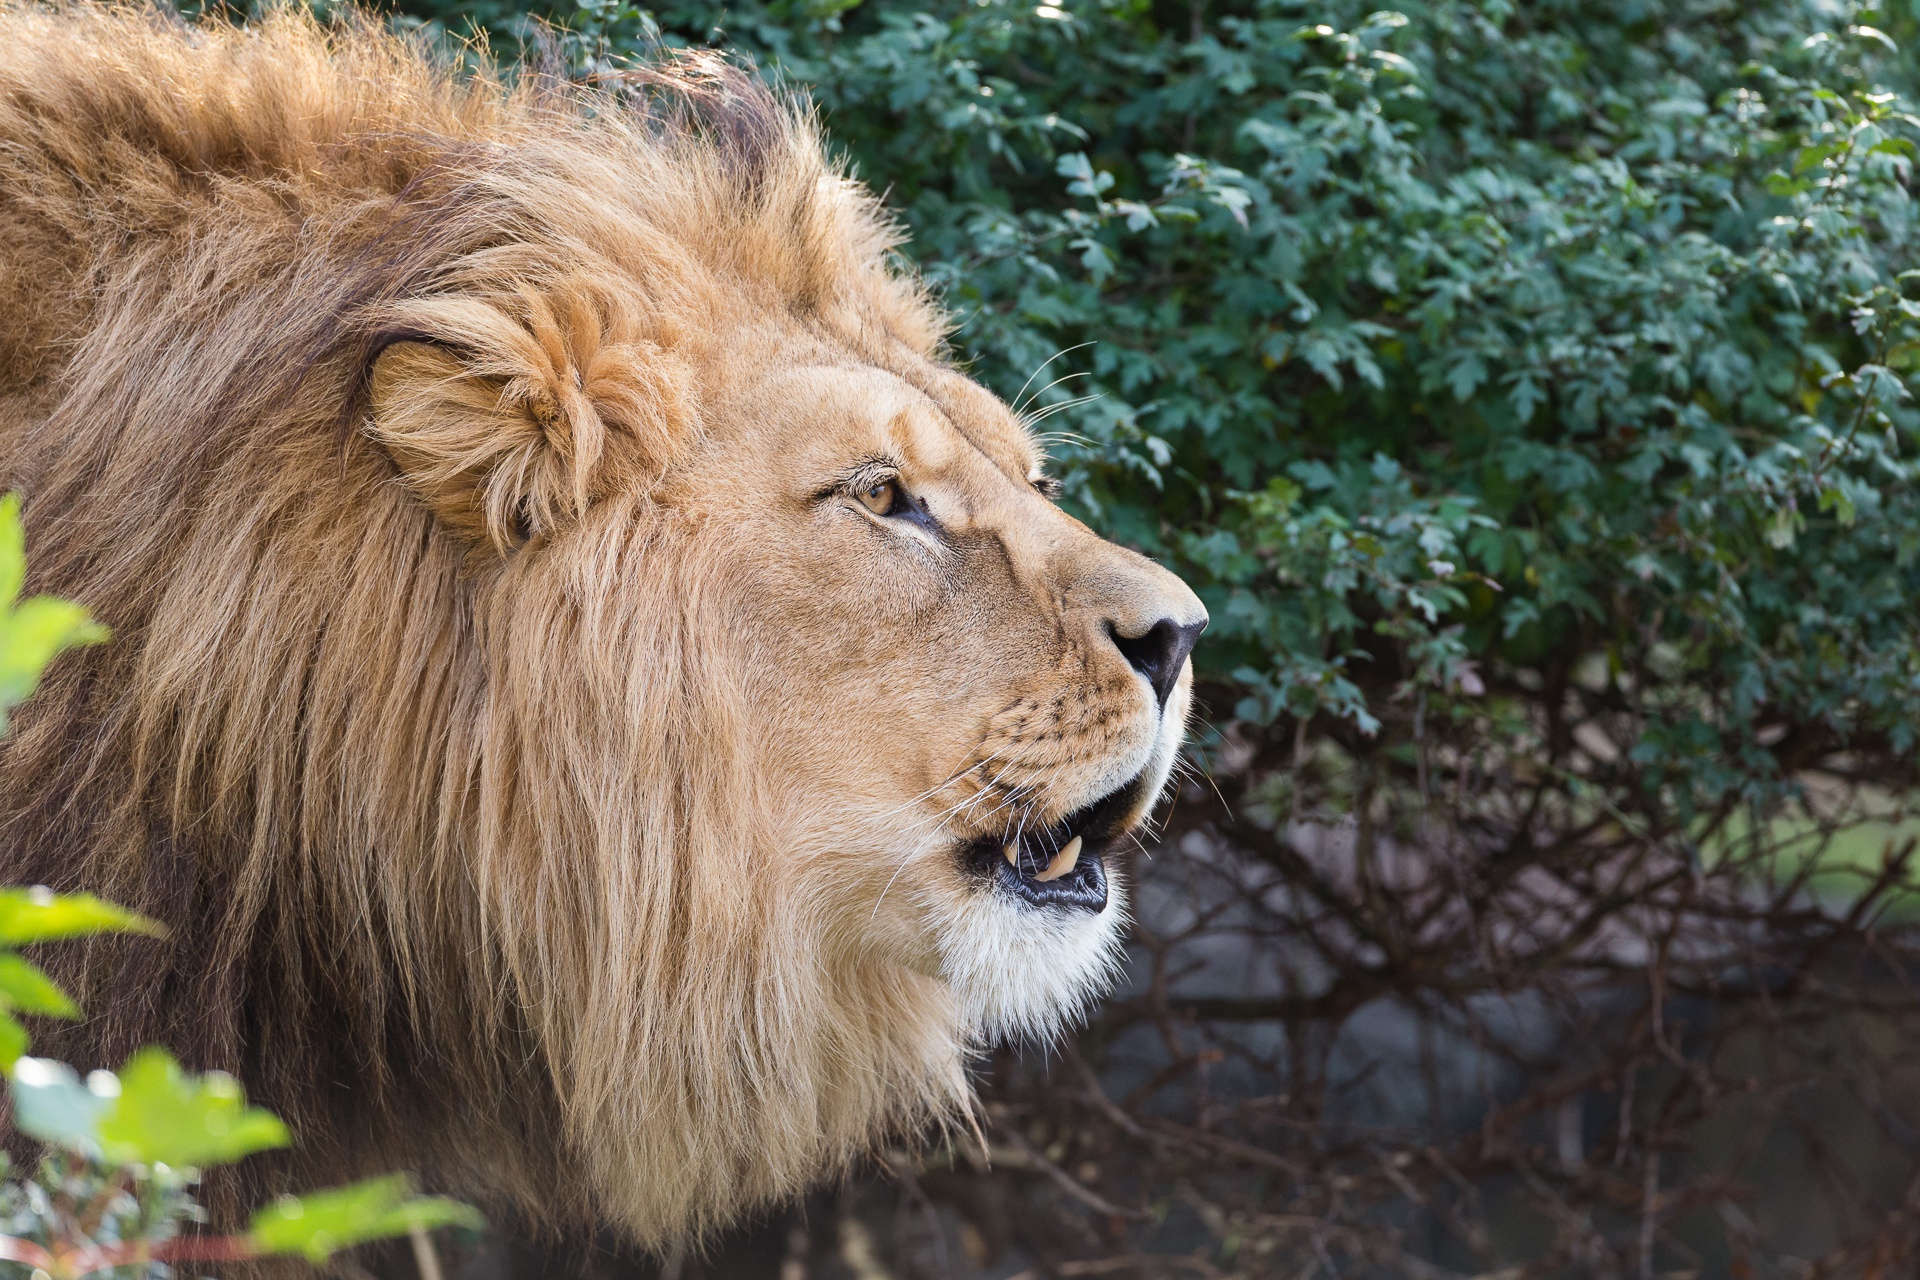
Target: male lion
pixel 609 713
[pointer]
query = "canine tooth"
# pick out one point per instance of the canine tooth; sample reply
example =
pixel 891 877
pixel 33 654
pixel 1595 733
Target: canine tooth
pixel 1063 861
pixel 1013 855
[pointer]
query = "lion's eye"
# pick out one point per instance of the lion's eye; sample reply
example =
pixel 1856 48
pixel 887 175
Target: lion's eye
pixel 882 497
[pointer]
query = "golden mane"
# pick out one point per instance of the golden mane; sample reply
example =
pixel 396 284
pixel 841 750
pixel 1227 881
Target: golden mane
pixel 408 882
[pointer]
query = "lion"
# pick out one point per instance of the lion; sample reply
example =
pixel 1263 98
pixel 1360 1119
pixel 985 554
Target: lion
pixel 611 715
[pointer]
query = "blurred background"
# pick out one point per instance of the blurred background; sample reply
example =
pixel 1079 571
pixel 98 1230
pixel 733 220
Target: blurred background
pixel 1527 387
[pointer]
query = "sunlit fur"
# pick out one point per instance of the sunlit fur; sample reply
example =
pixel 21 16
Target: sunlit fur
pixel 553 782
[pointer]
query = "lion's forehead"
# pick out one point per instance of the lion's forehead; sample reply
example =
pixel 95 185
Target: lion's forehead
pixel 817 420
pixel 980 416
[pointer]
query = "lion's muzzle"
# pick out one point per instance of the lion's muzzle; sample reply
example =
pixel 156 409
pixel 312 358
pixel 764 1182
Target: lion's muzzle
pixel 1062 865
pixel 1160 652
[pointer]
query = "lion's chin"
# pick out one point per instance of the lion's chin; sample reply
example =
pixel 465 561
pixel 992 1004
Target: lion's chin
pixel 1021 973
pixel 1039 937
pixel 1039 940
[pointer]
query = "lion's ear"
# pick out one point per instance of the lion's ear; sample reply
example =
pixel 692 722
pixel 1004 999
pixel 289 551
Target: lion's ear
pixel 510 415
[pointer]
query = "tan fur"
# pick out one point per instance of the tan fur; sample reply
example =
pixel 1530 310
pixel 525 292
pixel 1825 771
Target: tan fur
pixel 553 780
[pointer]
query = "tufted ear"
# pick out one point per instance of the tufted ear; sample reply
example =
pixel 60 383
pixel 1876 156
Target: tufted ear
pixel 511 413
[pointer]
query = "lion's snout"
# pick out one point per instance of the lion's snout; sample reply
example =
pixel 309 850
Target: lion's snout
pixel 1125 604
pixel 1159 653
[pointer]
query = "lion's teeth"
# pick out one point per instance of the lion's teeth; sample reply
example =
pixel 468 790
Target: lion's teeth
pixel 1013 855
pixel 1063 861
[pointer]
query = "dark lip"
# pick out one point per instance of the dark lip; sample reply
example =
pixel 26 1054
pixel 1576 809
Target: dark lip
pixel 1085 887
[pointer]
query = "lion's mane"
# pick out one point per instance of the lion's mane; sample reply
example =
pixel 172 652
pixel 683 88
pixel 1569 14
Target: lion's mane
pixel 413 894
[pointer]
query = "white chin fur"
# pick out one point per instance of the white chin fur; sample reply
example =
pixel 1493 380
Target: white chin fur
pixel 1022 972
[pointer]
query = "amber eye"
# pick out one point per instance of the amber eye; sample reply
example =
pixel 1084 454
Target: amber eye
pixel 881 497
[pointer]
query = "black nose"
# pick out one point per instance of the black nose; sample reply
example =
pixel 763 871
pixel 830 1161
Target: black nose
pixel 1159 652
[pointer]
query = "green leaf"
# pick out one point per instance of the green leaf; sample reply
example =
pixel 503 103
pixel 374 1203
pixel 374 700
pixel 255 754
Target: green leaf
pixel 13 1040
pixel 25 987
pixel 33 635
pixel 34 632
pixel 1783 526
pixel 41 915
pixel 319 1225
pixel 165 1115
pixel 1874 33
pixel 1840 502
pixel 152 1112
pixel 50 1103
pixel 13 551
pixel 1811 156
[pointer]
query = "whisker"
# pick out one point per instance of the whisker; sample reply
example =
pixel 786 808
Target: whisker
pixel 1014 796
pixel 1204 774
pixel 948 781
pixel 1020 411
pixel 941 818
pixel 1037 372
pixel 1048 438
pixel 1062 407
pixel 897 871
pixel 982 794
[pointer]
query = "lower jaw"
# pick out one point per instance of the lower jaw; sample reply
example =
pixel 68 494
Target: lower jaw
pixel 1062 867
pixel 1084 888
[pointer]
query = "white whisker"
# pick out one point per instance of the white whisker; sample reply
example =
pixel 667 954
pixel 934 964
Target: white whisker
pixel 1042 368
pixel 1020 411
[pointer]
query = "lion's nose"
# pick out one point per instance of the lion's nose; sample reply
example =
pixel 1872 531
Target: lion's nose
pixel 1158 652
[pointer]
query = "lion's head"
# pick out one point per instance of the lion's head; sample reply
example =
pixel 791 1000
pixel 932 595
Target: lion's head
pixel 616 714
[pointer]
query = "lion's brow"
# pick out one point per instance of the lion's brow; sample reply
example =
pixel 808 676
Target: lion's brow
pixel 952 421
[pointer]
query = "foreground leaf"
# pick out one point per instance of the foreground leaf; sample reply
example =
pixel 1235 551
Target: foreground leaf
pixel 41 915
pixel 32 636
pixel 26 988
pixel 13 551
pixel 51 1104
pixel 34 632
pixel 165 1115
pixel 13 1041
pixel 319 1225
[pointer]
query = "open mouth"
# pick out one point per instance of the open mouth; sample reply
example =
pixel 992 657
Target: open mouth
pixel 1063 864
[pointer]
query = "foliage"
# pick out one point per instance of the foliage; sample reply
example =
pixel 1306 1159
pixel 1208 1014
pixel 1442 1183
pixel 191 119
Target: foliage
pixel 39 915
pixel 113 1191
pixel 125 1150
pixel 33 631
pixel 150 1113
pixel 1623 281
